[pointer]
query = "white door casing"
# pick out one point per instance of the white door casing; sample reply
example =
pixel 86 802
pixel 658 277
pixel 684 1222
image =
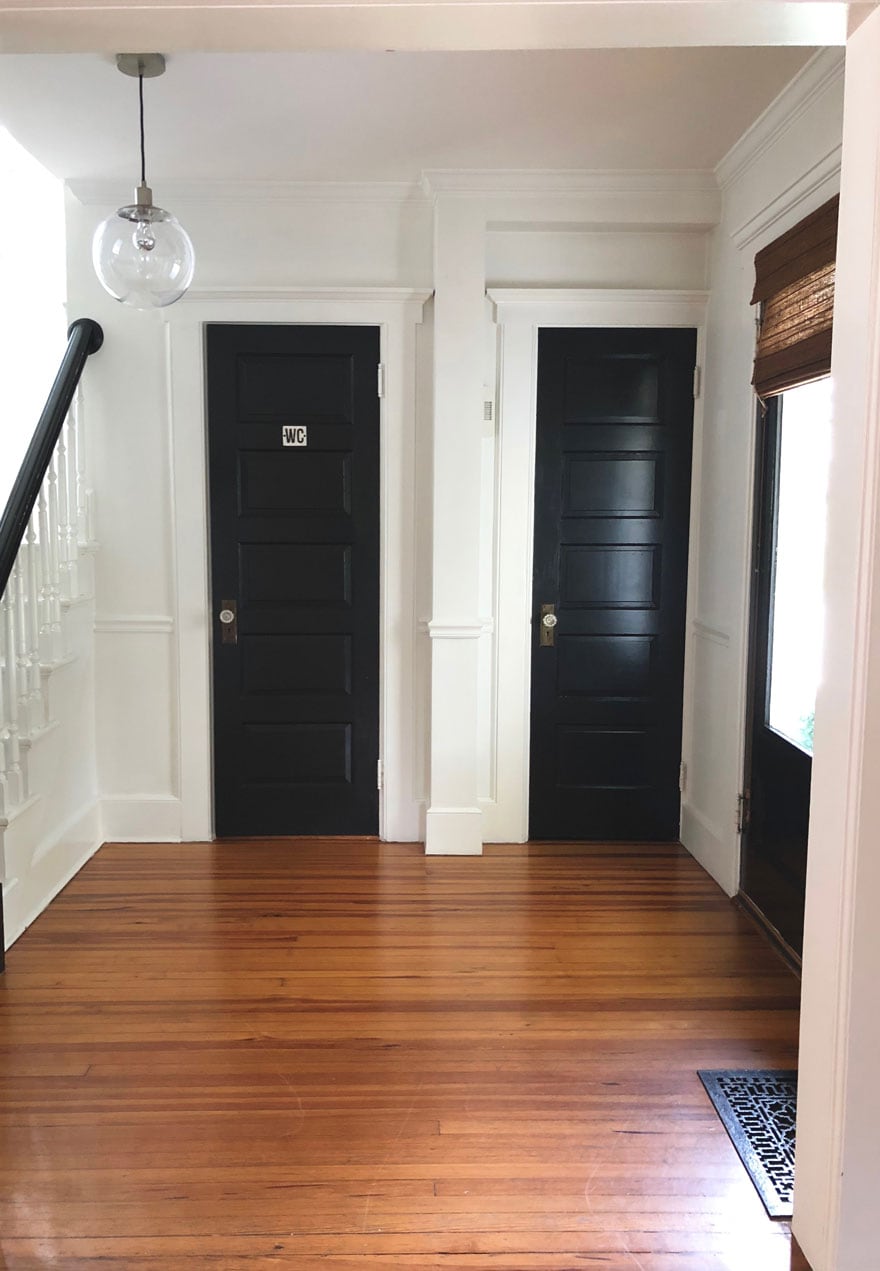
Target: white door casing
pixel 396 312
pixel 520 314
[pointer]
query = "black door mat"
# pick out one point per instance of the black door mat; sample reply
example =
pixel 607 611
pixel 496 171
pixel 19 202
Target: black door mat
pixel 757 1108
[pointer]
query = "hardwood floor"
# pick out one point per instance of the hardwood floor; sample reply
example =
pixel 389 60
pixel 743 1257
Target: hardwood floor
pixel 325 1054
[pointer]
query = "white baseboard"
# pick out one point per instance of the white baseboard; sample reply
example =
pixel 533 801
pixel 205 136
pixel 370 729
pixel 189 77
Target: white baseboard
pixel 705 843
pixel 453 832
pixel 141 818
pixel 54 862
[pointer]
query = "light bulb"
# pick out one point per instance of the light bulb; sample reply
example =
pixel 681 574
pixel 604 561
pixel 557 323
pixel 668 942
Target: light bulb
pixel 143 237
pixel 142 255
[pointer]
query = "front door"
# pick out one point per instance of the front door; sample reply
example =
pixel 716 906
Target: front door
pixel 293 429
pixel 612 499
pixel 793 451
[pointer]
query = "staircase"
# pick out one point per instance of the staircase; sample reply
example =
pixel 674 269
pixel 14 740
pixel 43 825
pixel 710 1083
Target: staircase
pixel 48 808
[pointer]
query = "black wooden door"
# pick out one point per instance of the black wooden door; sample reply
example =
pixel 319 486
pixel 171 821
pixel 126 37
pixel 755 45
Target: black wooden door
pixel 612 497
pixel 776 813
pixel 293 421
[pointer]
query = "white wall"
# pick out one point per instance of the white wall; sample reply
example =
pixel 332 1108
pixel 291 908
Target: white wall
pixel 785 166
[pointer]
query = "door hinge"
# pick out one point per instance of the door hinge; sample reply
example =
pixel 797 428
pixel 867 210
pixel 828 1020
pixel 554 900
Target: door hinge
pixel 682 776
pixel 698 381
pixel 488 412
pixel 743 811
pixel 380 380
pixel 380 775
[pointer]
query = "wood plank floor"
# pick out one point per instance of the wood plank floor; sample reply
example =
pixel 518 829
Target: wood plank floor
pixel 344 1055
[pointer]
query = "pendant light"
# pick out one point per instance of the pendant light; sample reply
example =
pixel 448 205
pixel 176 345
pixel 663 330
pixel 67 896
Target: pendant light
pixel 142 255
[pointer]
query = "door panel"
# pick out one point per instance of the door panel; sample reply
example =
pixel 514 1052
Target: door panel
pixel 295 549
pixel 612 496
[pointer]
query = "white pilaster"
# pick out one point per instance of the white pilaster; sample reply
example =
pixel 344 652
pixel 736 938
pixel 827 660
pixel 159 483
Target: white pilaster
pixel 838 1132
pixel 454 820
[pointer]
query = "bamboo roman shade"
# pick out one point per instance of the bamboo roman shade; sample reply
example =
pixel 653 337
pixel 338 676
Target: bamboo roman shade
pixel 794 284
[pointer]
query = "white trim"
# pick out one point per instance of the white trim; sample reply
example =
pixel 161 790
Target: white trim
pixel 134 624
pixel 103 193
pixel 565 181
pixel 141 818
pixel 396 312
pixel 818 183
pixel 51 869
pixel 521 312
pixel 715 634
pixel 453 831
pixel 351 296
pixel 534 200
pixel 562 307
pixel 690 809
pixel 458 630
pixel 820 73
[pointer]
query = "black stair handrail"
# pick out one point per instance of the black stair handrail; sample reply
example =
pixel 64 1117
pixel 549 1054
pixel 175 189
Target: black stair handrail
pixel 84 337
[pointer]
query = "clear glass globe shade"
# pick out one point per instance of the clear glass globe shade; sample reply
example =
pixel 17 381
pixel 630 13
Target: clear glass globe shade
pixel 143 256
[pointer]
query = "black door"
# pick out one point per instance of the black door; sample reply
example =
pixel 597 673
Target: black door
pixel 293 421
pixel 789 513
pixel 612 499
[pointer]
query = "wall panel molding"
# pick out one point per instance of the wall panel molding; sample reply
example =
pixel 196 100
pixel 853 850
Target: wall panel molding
pixel 134 624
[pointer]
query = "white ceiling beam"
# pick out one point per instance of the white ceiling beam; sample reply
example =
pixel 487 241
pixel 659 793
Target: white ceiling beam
pixel 108 26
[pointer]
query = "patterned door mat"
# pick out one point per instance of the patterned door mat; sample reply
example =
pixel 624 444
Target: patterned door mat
pixel 758 1109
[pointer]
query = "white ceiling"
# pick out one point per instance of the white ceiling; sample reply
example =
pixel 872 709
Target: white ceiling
pixel 373 116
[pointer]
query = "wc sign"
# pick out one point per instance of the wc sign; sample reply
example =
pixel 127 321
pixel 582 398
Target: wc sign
pixel 294 435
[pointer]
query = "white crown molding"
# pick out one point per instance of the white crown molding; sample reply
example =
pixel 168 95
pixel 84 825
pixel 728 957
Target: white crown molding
pixel 824 173
pixel 559 306
pixel 309 295
pixel 820 74
pixel 173 193
pixel 561 199
pixel 564 181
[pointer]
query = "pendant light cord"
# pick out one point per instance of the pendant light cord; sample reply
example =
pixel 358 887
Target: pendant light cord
pixel 143 149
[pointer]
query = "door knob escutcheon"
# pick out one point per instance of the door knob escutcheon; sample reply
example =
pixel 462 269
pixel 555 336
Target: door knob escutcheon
pixel 547 634
pixel 228 616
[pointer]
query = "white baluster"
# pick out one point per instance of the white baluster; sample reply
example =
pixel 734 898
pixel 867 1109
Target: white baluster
pixel 22 651
pixel 36 699
pixel 72 509
pixel 54 563
pixel 84 534
pixel 59 461
pixel 5 803
pixel 46 652
pixel 14 782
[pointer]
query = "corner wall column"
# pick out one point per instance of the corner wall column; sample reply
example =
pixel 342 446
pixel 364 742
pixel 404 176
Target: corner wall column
pixel 453 824
pixel 838 1122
